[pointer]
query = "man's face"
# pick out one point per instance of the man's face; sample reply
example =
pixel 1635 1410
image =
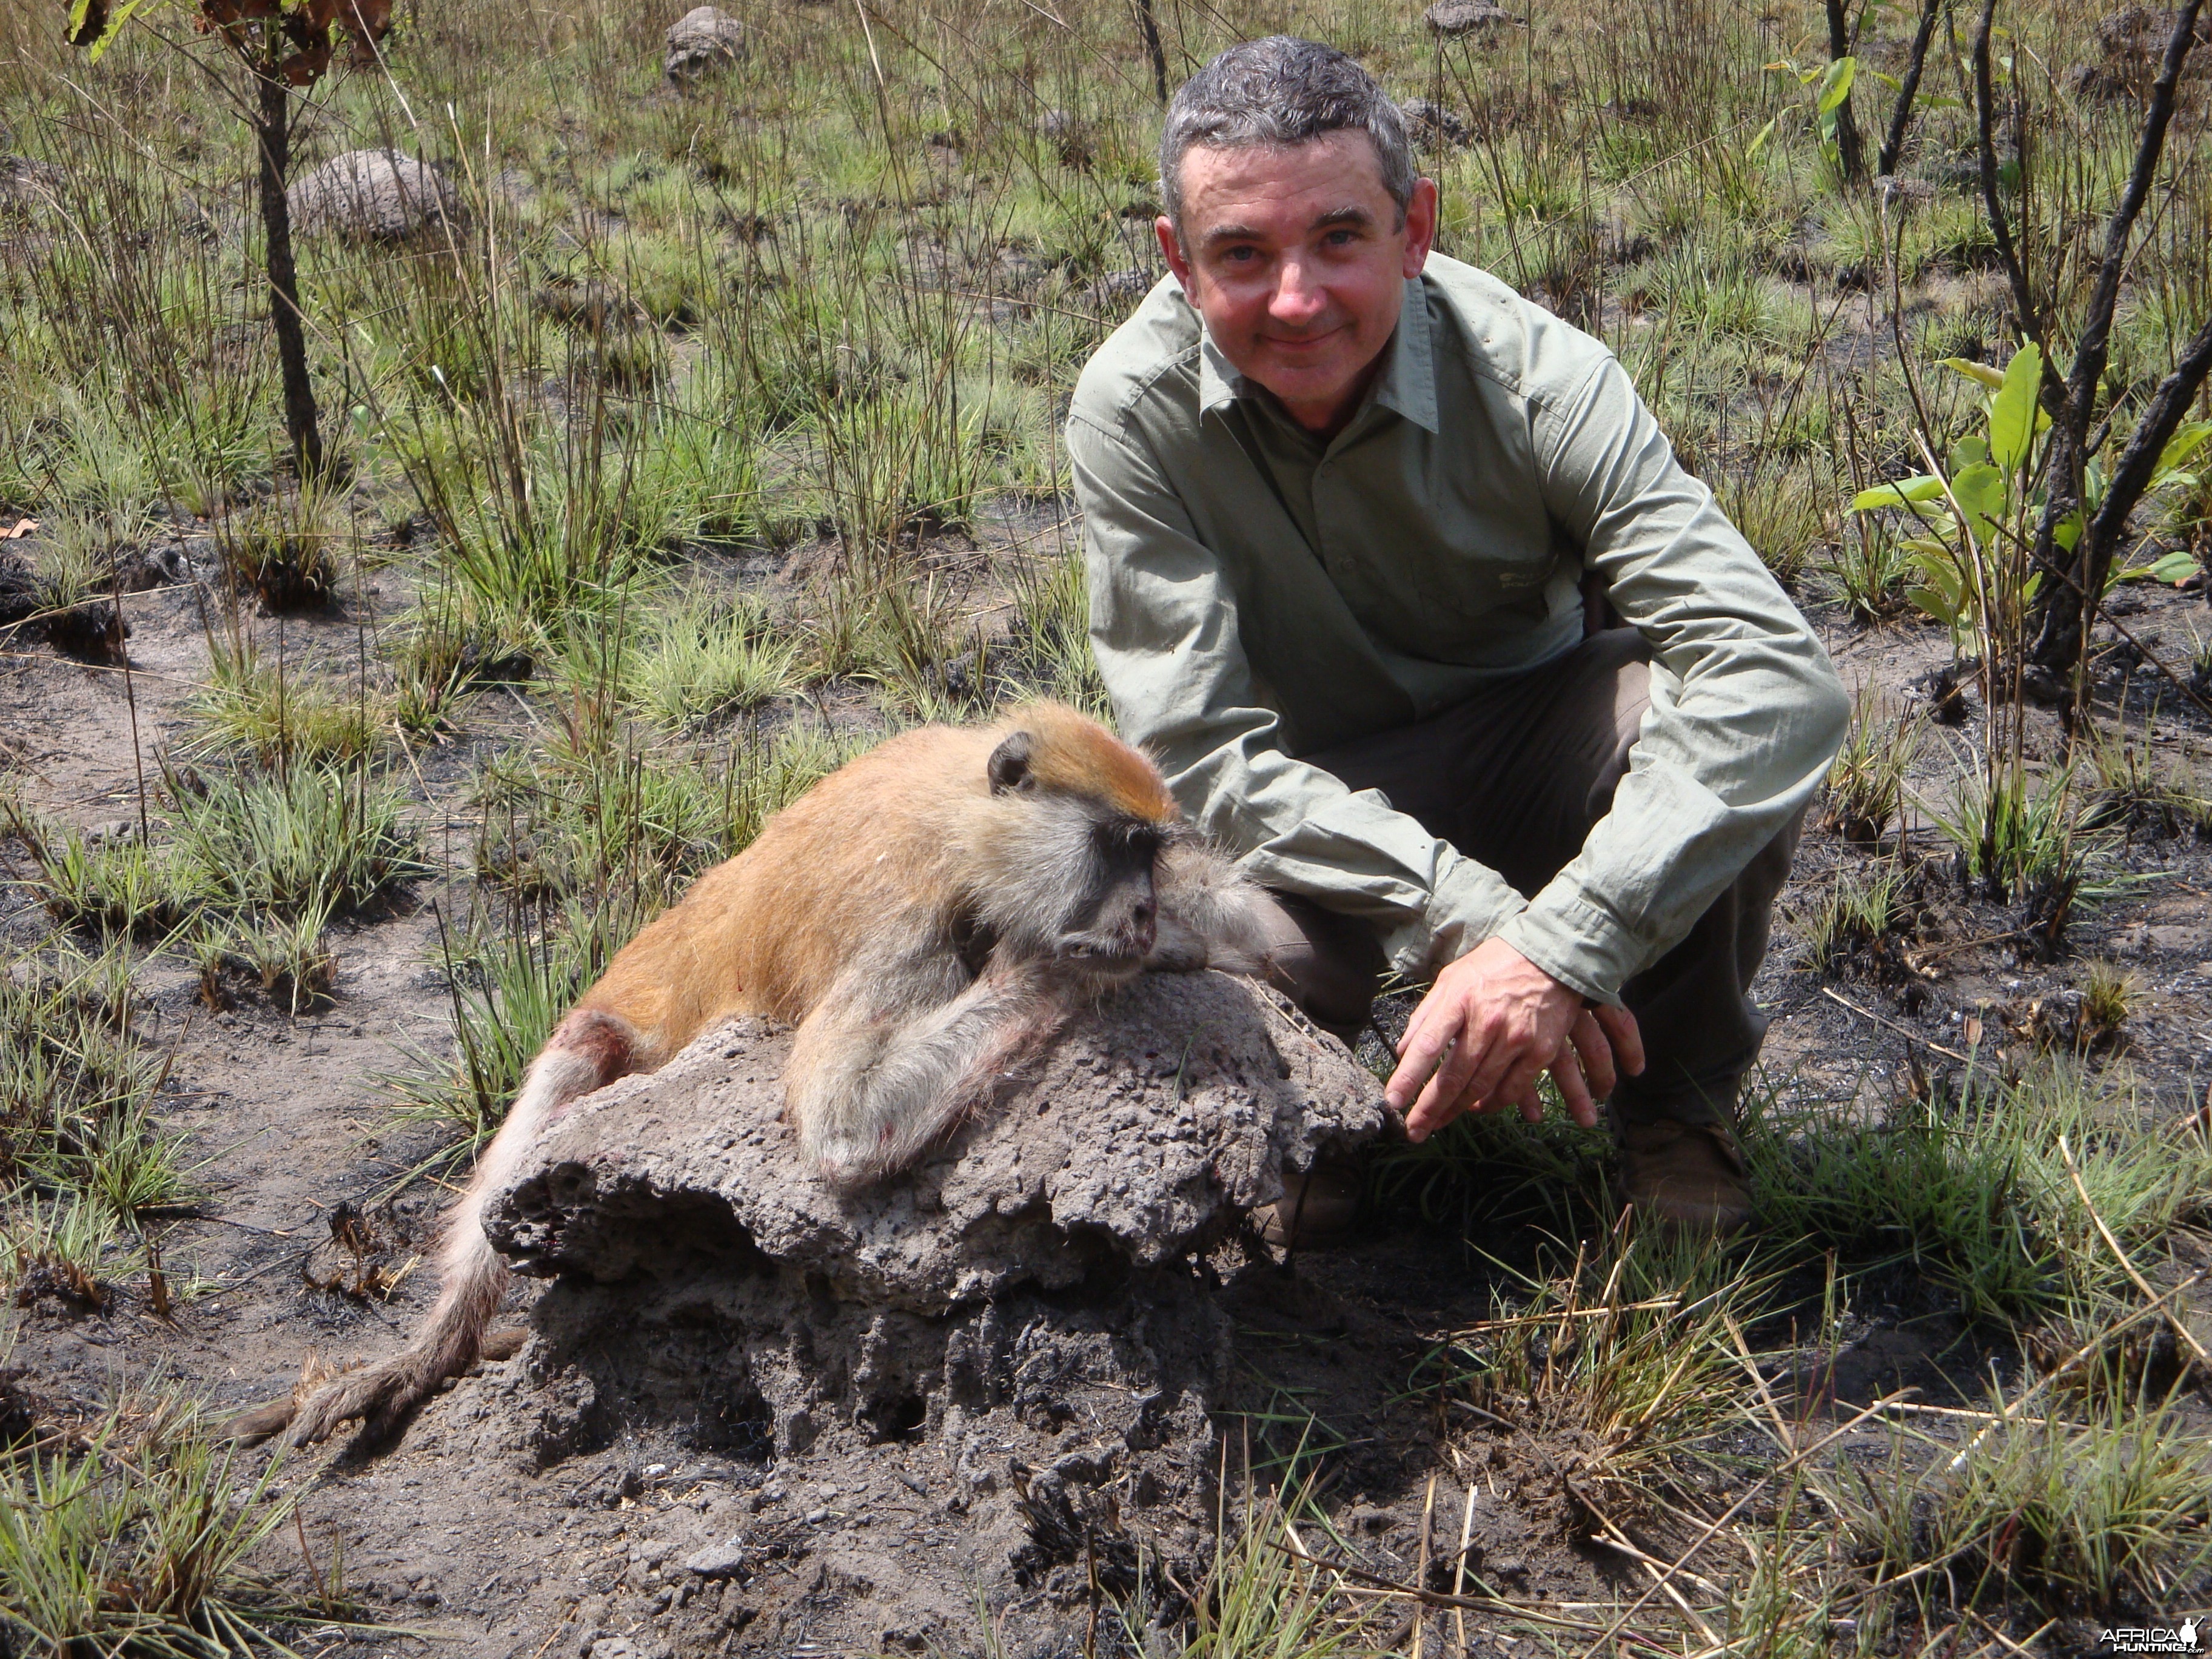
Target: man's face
pixel 1298 259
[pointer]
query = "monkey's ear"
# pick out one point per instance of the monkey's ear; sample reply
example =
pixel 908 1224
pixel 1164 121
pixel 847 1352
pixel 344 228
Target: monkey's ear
pixel 1009 765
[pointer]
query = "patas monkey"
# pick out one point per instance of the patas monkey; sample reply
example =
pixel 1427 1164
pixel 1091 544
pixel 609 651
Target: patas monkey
pixel 925 916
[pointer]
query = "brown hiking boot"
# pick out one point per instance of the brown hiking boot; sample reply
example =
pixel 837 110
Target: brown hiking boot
pixel 1685 1177
pixel 1317 1208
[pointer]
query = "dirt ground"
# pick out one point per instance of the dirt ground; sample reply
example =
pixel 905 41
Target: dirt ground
pixel 477 1539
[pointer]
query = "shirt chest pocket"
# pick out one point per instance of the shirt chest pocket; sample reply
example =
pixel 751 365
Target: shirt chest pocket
pixel 1487 575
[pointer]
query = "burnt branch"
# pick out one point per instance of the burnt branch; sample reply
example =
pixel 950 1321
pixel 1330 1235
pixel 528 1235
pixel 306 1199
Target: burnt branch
pixel 273 139
pixel 1892 144
pixel 2095 347
pixel 2064 610
pixel 1850 150
pixel 2169 406
pixel 1148 26
pixel 2023 296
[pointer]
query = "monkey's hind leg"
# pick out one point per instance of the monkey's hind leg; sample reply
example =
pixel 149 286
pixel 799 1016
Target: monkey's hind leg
pixel 869 1091
pixel 588 1050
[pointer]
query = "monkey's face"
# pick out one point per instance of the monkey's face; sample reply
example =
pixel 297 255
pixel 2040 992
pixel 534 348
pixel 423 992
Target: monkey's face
pixel 1109 928
pixel 1075 873
pixel 1075 888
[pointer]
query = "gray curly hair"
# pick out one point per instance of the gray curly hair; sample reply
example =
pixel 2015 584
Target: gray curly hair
pixel 1282 90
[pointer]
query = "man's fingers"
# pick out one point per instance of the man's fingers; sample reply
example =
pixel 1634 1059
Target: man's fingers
pixel 1518 1087
pixel 1413 1032
pixel 1627 1041
pixel 1567 1073
pixel 1595 1054
pixel 1440 1098
pixel 1506 1058
pixel 1419 1049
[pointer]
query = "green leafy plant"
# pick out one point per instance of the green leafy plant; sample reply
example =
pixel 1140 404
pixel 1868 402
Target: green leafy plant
pixel 1975 519
pixel 1830 84
pixel 1968 571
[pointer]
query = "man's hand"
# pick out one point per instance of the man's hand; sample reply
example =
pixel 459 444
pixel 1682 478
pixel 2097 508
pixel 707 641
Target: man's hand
pixel 1497 1022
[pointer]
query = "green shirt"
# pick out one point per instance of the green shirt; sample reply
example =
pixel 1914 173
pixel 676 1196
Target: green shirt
pixel 1257 595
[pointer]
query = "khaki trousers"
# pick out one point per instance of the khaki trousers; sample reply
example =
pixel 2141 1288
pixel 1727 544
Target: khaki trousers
pixel 1513 778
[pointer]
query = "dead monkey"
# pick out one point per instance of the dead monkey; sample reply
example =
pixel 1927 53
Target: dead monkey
pixel 925 916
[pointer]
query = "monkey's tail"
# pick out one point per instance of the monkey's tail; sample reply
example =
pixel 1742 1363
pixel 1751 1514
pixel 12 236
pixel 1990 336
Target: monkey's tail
pixel 588 1050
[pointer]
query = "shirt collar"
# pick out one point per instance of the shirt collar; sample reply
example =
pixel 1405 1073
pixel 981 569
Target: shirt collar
pixel 1406 385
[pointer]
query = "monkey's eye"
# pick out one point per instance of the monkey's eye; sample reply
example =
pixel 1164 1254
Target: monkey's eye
pixel 1130 838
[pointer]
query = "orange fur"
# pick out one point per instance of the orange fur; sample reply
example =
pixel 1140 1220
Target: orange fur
pixel 890 832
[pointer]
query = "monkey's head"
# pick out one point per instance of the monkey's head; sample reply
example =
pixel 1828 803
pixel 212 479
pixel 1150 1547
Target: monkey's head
pixel 1079 819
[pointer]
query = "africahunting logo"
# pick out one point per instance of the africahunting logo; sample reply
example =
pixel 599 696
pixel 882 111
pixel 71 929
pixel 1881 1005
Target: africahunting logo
pixel 2151 1638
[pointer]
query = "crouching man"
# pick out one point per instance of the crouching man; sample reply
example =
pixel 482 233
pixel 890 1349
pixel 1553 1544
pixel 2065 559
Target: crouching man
pixel 1352 512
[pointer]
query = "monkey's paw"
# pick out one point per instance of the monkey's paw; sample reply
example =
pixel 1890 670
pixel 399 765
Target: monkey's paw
pixel 381 1396
pixel 846 1163
pixel 1177 949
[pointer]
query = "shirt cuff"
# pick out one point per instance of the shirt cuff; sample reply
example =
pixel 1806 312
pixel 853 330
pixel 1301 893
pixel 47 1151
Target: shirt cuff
pixel 1467 903
pixel 1582 946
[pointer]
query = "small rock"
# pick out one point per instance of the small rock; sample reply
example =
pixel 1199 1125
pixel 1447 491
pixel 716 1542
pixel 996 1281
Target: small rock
pixel 1117 292
pixel 704 41
pixel 2137 36
pixel 816 1518
pixel 1068 135
pixel 376 196
pixel 1454 18
pixel 616 1647
pixel 1429 125
pixel 717 1560
pixel 25 184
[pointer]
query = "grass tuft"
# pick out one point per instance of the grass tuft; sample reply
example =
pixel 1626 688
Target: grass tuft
pixel 1620 1364
pixel 138 1541
pixel 706 658
pixel 285 549
pixel 276 714
pixel 1866 781
pixel 2116 1508
pixel 1972 1192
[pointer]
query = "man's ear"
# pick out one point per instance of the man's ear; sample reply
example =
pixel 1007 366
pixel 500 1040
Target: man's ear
pixel 1420 227
pixel 1171 249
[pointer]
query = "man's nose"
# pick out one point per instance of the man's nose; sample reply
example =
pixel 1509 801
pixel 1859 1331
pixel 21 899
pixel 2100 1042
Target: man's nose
pixel 1299 297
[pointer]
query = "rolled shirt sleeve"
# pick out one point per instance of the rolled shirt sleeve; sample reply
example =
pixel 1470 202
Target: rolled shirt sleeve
pixel 1746 710
pixel 1164 625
